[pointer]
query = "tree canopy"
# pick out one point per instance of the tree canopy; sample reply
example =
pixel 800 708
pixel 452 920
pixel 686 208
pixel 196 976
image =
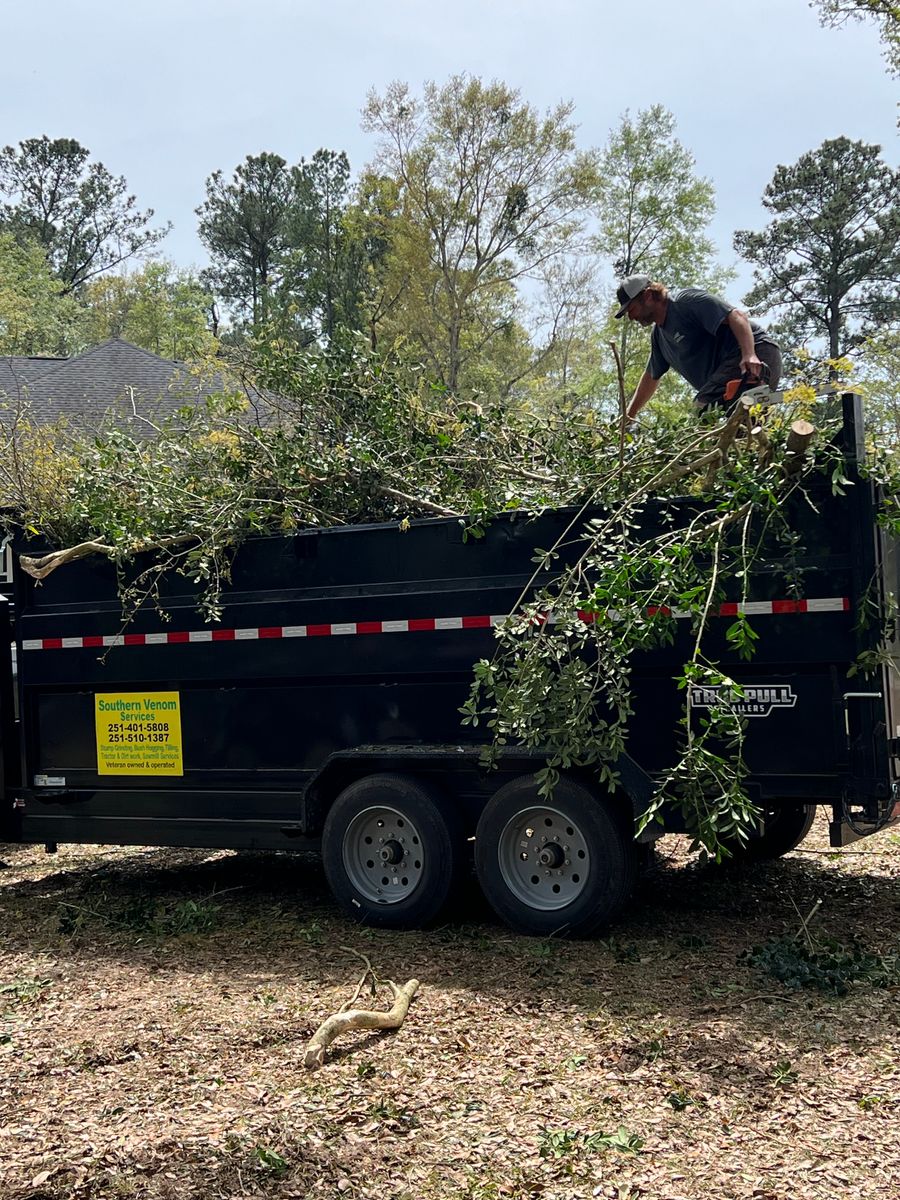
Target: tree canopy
pixel 490 193
pixel 885 13
pixel 79 212
pixel 829 259
pixel 653 212
pixel 283 255
pixel 243 226
pixel 159 308
pixel 36 317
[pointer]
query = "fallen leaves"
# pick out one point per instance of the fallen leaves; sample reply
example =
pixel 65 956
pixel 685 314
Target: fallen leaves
pixel 170 1069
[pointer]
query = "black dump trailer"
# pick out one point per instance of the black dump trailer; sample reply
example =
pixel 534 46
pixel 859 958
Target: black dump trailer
pixel 323 712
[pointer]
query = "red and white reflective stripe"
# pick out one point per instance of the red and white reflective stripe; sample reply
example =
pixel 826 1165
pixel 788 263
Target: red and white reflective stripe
pixel 262 632
pixel 754 608
pixel 770 608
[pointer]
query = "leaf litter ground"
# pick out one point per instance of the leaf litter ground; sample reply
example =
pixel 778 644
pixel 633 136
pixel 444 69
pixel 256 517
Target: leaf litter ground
pixel 155 1005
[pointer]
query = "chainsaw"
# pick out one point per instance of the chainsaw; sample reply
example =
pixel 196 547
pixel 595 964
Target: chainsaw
pixel 751 388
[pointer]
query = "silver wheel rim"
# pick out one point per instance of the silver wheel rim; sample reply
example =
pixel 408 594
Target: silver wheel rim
pixel 382 854
pixel 544 858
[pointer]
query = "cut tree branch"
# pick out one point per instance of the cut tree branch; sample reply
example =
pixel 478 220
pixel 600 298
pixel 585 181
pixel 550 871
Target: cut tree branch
pixel 347 1017
pixel 40 568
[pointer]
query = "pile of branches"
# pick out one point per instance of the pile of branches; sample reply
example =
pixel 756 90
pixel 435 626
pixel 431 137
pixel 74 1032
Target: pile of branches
pixel 353 442
pixel 350 440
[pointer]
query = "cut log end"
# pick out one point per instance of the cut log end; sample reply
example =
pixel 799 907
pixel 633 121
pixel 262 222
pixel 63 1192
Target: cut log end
pixel 800 435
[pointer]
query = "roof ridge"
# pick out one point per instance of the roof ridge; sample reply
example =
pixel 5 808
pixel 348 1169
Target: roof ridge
pixel 177 362
pixel 62 364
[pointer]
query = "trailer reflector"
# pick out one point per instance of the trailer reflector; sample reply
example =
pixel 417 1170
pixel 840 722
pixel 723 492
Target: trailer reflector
pixel 755 608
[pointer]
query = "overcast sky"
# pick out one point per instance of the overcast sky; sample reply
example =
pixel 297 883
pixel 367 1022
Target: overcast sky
pixel 164 93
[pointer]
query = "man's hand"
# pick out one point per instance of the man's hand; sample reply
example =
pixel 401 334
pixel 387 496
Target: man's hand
pixel 631 424
pixel 752 365
pixel 743 334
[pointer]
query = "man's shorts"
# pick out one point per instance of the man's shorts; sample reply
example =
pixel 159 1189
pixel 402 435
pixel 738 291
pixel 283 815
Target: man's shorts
pixel 713 391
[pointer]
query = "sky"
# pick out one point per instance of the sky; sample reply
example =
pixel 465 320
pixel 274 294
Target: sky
pixel 168 92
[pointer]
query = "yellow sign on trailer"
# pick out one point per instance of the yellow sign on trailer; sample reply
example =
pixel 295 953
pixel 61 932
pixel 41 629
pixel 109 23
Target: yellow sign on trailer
pixel 138 733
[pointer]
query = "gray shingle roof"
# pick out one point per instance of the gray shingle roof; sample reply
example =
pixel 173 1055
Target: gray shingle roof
pixel 18 370
pixel 114 376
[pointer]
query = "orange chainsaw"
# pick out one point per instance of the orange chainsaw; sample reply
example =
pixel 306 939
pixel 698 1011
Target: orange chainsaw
pixel 754 388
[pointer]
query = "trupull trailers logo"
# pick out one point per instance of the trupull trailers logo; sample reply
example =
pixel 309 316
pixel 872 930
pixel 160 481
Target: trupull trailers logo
pixel 749 700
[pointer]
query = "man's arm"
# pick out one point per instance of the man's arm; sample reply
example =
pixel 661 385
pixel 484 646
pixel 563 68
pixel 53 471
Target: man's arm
pixel 740 327
pixel 642 394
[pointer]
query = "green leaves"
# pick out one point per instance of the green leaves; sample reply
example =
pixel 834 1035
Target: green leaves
pixel 353 443
pixel 36 316
pixel 742 637
pixel 562 1143
pixel 824 964
pixel 80 214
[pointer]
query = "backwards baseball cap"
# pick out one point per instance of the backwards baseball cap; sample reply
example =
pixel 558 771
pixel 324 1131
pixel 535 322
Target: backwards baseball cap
pixel 628 289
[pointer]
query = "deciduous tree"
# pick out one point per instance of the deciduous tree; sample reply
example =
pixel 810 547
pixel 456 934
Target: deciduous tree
pixel 654 209
pixel 654 212
pixel 885 13
pixel 490 193
pixel 36 316
pixel 159 308
pixel 878 377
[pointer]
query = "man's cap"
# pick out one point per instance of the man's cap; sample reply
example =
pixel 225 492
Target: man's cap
pixel 628 288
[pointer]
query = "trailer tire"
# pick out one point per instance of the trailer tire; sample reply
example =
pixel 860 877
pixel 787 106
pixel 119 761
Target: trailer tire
pixel 392 851
pixel 786 827
pixel 566 864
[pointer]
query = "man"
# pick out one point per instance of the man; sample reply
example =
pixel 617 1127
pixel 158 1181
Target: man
pixel 707 341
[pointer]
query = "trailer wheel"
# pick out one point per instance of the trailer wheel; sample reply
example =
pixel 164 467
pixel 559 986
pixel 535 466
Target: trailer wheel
pixel 392 853
pixel 786 827
pixel 560 865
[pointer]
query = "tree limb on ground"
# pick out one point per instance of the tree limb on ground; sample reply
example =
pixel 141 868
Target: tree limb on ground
pixel 347 1017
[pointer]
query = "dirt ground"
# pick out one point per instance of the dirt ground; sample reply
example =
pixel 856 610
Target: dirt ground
pixel 155 1005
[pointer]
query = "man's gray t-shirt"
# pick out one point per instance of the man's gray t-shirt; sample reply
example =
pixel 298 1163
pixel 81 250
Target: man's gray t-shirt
pixel 694 338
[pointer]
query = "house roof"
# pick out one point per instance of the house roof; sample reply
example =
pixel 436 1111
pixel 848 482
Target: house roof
pixel 112 377
pixel 18 370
